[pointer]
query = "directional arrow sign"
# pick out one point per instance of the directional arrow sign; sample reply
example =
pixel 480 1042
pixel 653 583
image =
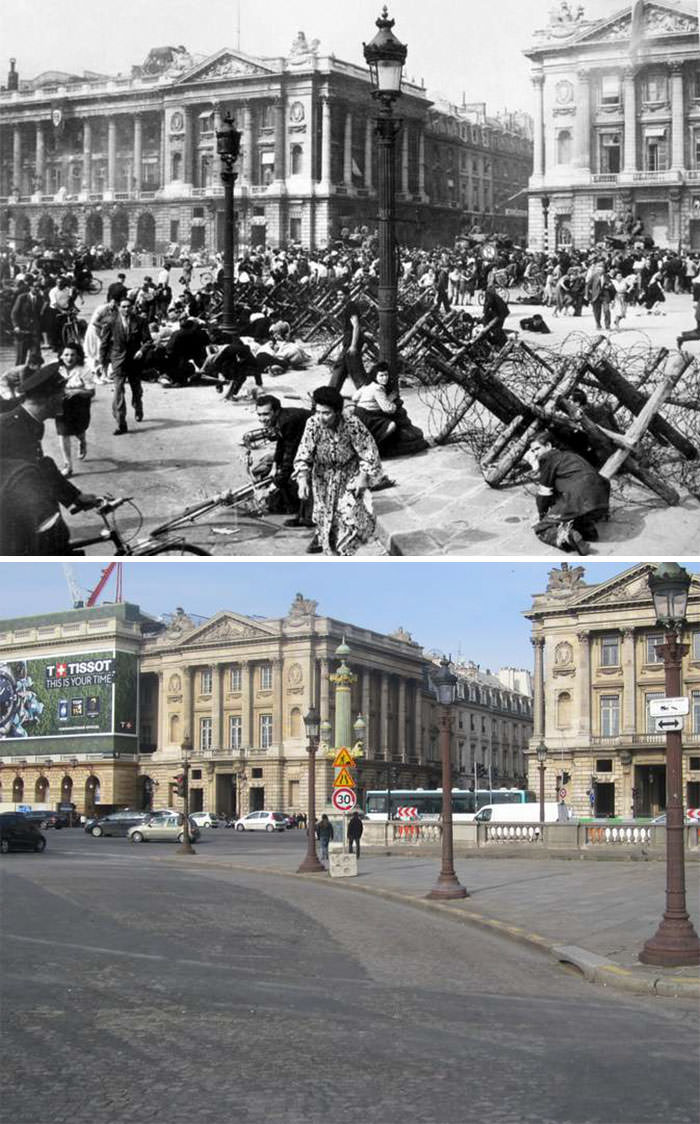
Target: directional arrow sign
pixel 343 779
pixel 661 708
pixel 663 725
pixel 343 757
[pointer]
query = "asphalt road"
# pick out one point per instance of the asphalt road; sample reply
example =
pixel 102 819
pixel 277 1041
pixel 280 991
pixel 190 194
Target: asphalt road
pixel 136 989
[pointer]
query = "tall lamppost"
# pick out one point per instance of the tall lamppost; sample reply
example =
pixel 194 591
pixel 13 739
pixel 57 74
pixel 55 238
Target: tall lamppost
pixel 228 146
pixel 311 863
pixel 675 942
pixel 186 847
pixel 448 885
pixel 541 752
pixel 385 57
pixel 545 220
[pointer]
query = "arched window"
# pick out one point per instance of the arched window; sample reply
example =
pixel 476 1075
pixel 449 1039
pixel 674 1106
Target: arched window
pixel 175 729
pixel 564 147
pixel 295 730
pixel 296 159
pixel 564 710
pixel 17 790
pixel 176 166
pixel 41 790
pixel 67 790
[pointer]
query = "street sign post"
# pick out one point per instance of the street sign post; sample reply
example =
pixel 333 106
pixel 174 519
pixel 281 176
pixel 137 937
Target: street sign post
pixel 666 725
pixel 344 799
pixel 662 708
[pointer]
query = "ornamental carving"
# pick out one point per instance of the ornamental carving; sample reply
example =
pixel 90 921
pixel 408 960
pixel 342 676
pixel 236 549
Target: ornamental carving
pixel 563 654
pixel 295 675
pixel 174 684
pixel 564 92
pixel 401 634
pixel 301 607
pixel 567 579
pixel 301 51
pixel 655 21
pixel 228 67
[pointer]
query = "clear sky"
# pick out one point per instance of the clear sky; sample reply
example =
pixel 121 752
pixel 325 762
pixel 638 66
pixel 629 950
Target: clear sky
pixel 472 609
pixel 473 46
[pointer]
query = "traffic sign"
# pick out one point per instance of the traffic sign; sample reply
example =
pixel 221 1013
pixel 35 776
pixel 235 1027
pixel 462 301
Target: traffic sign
pixel 562 794
pixel 661 708
pixel 344 799
pixel 666 725
pixel 343 758
pixel 343 779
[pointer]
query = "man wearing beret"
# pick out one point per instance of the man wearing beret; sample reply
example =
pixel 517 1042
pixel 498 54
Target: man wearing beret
pixel 31 486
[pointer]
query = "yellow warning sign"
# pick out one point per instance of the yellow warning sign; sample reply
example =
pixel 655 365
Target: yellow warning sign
pixel 343 779
pixel 343 758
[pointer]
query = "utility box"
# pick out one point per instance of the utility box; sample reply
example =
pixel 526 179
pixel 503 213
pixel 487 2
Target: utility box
pixel 340 863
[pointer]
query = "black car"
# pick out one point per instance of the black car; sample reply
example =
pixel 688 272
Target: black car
pixel 117 823
pixel 17 833
pixel 47 819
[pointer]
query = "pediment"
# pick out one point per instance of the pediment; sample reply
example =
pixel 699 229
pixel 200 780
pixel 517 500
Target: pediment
pixel 658 20
pixel 224 64
pixel 627 587
pixel 224 628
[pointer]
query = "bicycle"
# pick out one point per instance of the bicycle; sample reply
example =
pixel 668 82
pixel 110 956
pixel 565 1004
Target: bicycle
pixel 71 329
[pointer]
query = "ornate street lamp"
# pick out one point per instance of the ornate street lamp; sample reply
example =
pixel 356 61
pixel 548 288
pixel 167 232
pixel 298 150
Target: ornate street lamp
pixel 311 863
pixel 675 942
pixel 545 220
pixel 228 146
pixel 186 847
pixel 448 885
pixel 385 56
pixel 541 752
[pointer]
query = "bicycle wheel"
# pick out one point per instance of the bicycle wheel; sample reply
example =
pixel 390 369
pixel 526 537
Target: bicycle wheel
pixel 70 332
pixel 176 549
pixel 94 285
pixel 205 277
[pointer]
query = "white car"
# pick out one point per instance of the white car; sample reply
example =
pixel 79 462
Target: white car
pixel 162 829
pixel 205 819
pixel 262 821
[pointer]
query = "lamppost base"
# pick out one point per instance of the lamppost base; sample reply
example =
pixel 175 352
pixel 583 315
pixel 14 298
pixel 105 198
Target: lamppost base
pixel 186 848
pixel 447 889
pixel 311 865
pixel 675 944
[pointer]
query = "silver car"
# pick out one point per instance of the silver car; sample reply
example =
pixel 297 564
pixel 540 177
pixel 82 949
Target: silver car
pixel 167 829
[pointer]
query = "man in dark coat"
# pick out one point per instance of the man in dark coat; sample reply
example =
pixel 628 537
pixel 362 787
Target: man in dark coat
pixel 26 316
pixel 32 488
pixel 495 308
pixel 122 341
pixel 286 424
pixel 118 290
pixel 355 829
pixel 186 346
pixel 571 496
pixel 350 361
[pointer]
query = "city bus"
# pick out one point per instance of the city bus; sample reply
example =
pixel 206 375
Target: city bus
pixel 426 803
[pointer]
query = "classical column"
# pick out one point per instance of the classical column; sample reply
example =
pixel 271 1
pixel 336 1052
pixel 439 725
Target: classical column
pixel 326 142
pixel 138 152
pixel 17 157
pixel 418 719
pixel 538 137
pixel 366 703
pixel 347 150
pixel 630 114
pixel 111 153
pixel 421 162
pixel 280 139
pixel 404 159
pixel 402 718
pixel 629 688
pixel 188 146
pixel 324 709
pixel 538 687
pixel 216 730
pixel 162 731
pixel 187 676
pixel 40 157
pixel 482 206
pixel 247 168
pixel 583 674
pixel 384 715
pixel 583 121
pixel 246 702
pixel 677 146
pixel 369 133
pixel 277 703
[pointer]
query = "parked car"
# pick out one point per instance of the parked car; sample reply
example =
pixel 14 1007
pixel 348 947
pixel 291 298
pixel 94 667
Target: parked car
pixel 261 821
pixel 162 829
pixel 17 833
pixel 205 819
pixel 289 821
pixel 118 823
pixel 44 819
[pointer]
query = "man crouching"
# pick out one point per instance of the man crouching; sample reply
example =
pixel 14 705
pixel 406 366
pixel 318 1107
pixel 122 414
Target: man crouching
pixel 571 496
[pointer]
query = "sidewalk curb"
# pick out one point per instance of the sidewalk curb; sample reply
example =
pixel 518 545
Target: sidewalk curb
pixel 594 968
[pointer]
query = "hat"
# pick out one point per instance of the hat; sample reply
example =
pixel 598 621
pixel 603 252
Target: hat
pixel 31 379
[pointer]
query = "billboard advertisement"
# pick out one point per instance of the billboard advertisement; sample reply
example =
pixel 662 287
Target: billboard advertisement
pixel 86 694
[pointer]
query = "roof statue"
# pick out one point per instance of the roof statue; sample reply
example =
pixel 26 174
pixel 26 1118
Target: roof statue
pixel 301 50
pixel 300 607
pixel 567 579
pixel 564 19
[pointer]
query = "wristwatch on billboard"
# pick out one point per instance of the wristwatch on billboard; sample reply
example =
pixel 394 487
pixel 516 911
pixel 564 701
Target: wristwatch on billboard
pixel 9 698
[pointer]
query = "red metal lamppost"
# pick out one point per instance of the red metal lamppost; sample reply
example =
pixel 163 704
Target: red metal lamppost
pixel 228 146
pixel 541 765
pixel 448 885
pixel 675 942
pixel 385 57
pixel 311 863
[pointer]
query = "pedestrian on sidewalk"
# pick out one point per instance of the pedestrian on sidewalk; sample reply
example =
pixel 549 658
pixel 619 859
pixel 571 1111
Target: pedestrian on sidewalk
pixel 80 390
pixel 122 340
pixel 355 829
pixel 324 834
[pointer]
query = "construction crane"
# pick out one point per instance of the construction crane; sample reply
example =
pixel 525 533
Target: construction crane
pixel 76 592
pixel 111 567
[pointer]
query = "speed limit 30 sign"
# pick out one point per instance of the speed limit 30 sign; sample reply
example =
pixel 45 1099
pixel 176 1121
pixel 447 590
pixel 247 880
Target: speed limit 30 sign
pixel 344 799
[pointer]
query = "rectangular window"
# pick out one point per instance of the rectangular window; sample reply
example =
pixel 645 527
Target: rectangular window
pixel 266 119
pixel 652 655
pixel 174 230
pixel 656 152
pixel 205 733
pixel 266 677
pixel 655 87
pixel 610 89
pixel 265 731
pixel 205 681
pixel 651 696
pixel 694 762
pixel 695 714
pixel 235 679
pixel 604 765
pixel 609 716
pixel 610 651
pixel 695 651
pixel 610 154
pixel 235 730
pixel 146 734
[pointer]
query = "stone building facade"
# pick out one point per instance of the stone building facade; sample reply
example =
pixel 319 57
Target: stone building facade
pixel 132 160
pixel 617 125
pixel 237 689
pixel 596 672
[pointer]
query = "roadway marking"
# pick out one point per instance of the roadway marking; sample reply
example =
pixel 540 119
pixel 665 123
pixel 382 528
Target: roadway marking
pixel 133 955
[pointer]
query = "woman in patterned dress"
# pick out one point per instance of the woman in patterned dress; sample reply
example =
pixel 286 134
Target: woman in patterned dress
pixel 337 460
